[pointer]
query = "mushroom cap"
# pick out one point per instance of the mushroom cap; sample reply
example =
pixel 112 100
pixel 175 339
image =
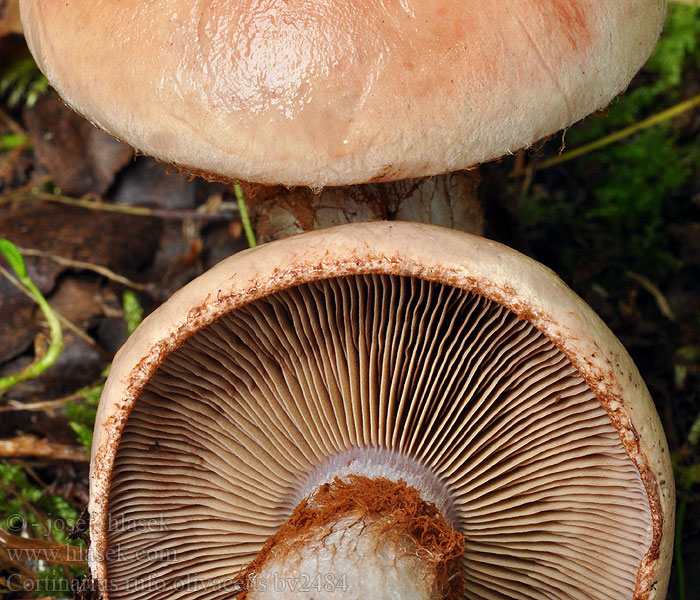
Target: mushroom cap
pixel 328 93
pixel 143 421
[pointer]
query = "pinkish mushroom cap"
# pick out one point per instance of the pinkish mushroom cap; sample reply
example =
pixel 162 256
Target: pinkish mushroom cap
pixel 336 93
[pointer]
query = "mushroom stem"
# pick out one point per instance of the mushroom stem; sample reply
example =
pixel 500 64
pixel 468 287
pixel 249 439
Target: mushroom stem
pixel 366 537
pixel 449 200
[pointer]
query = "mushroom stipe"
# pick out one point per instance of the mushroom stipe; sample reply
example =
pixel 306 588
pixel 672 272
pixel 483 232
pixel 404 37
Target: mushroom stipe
pixel 400 517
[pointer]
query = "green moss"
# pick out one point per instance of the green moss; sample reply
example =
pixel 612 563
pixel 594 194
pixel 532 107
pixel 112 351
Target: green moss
pixel 81 415
pixel 133 312
pixel 15 515
pixel 677 52
pixel 630 188
pixel 21 82
pixel 48 511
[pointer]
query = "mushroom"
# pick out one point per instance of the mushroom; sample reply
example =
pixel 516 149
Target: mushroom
pixel 400 409
pixel 379 353
pixel 322 94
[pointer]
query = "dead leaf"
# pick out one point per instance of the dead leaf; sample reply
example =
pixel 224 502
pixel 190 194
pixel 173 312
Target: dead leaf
pixel 78 300
pixel 9 17
pixel 78 365
pixel 77 156
pixel 17 324
pixel 123 243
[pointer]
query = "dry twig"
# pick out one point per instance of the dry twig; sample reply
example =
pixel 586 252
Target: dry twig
pixel 79 264
pixel 22 548
pixel 30 445
pixel 228 210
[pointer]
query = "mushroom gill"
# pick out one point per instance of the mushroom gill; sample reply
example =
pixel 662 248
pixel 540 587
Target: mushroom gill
pixel 446 386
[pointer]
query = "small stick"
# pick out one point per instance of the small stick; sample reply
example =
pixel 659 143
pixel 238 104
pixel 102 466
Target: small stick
pixel 616 136
pixel 30 445
pixel 139 211
pixel 79 264
pixel 33 549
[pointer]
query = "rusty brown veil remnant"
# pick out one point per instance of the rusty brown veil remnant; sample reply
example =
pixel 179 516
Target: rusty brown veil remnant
pixel 441 362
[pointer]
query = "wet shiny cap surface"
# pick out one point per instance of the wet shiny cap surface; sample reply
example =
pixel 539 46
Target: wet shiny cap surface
pixel 332 93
